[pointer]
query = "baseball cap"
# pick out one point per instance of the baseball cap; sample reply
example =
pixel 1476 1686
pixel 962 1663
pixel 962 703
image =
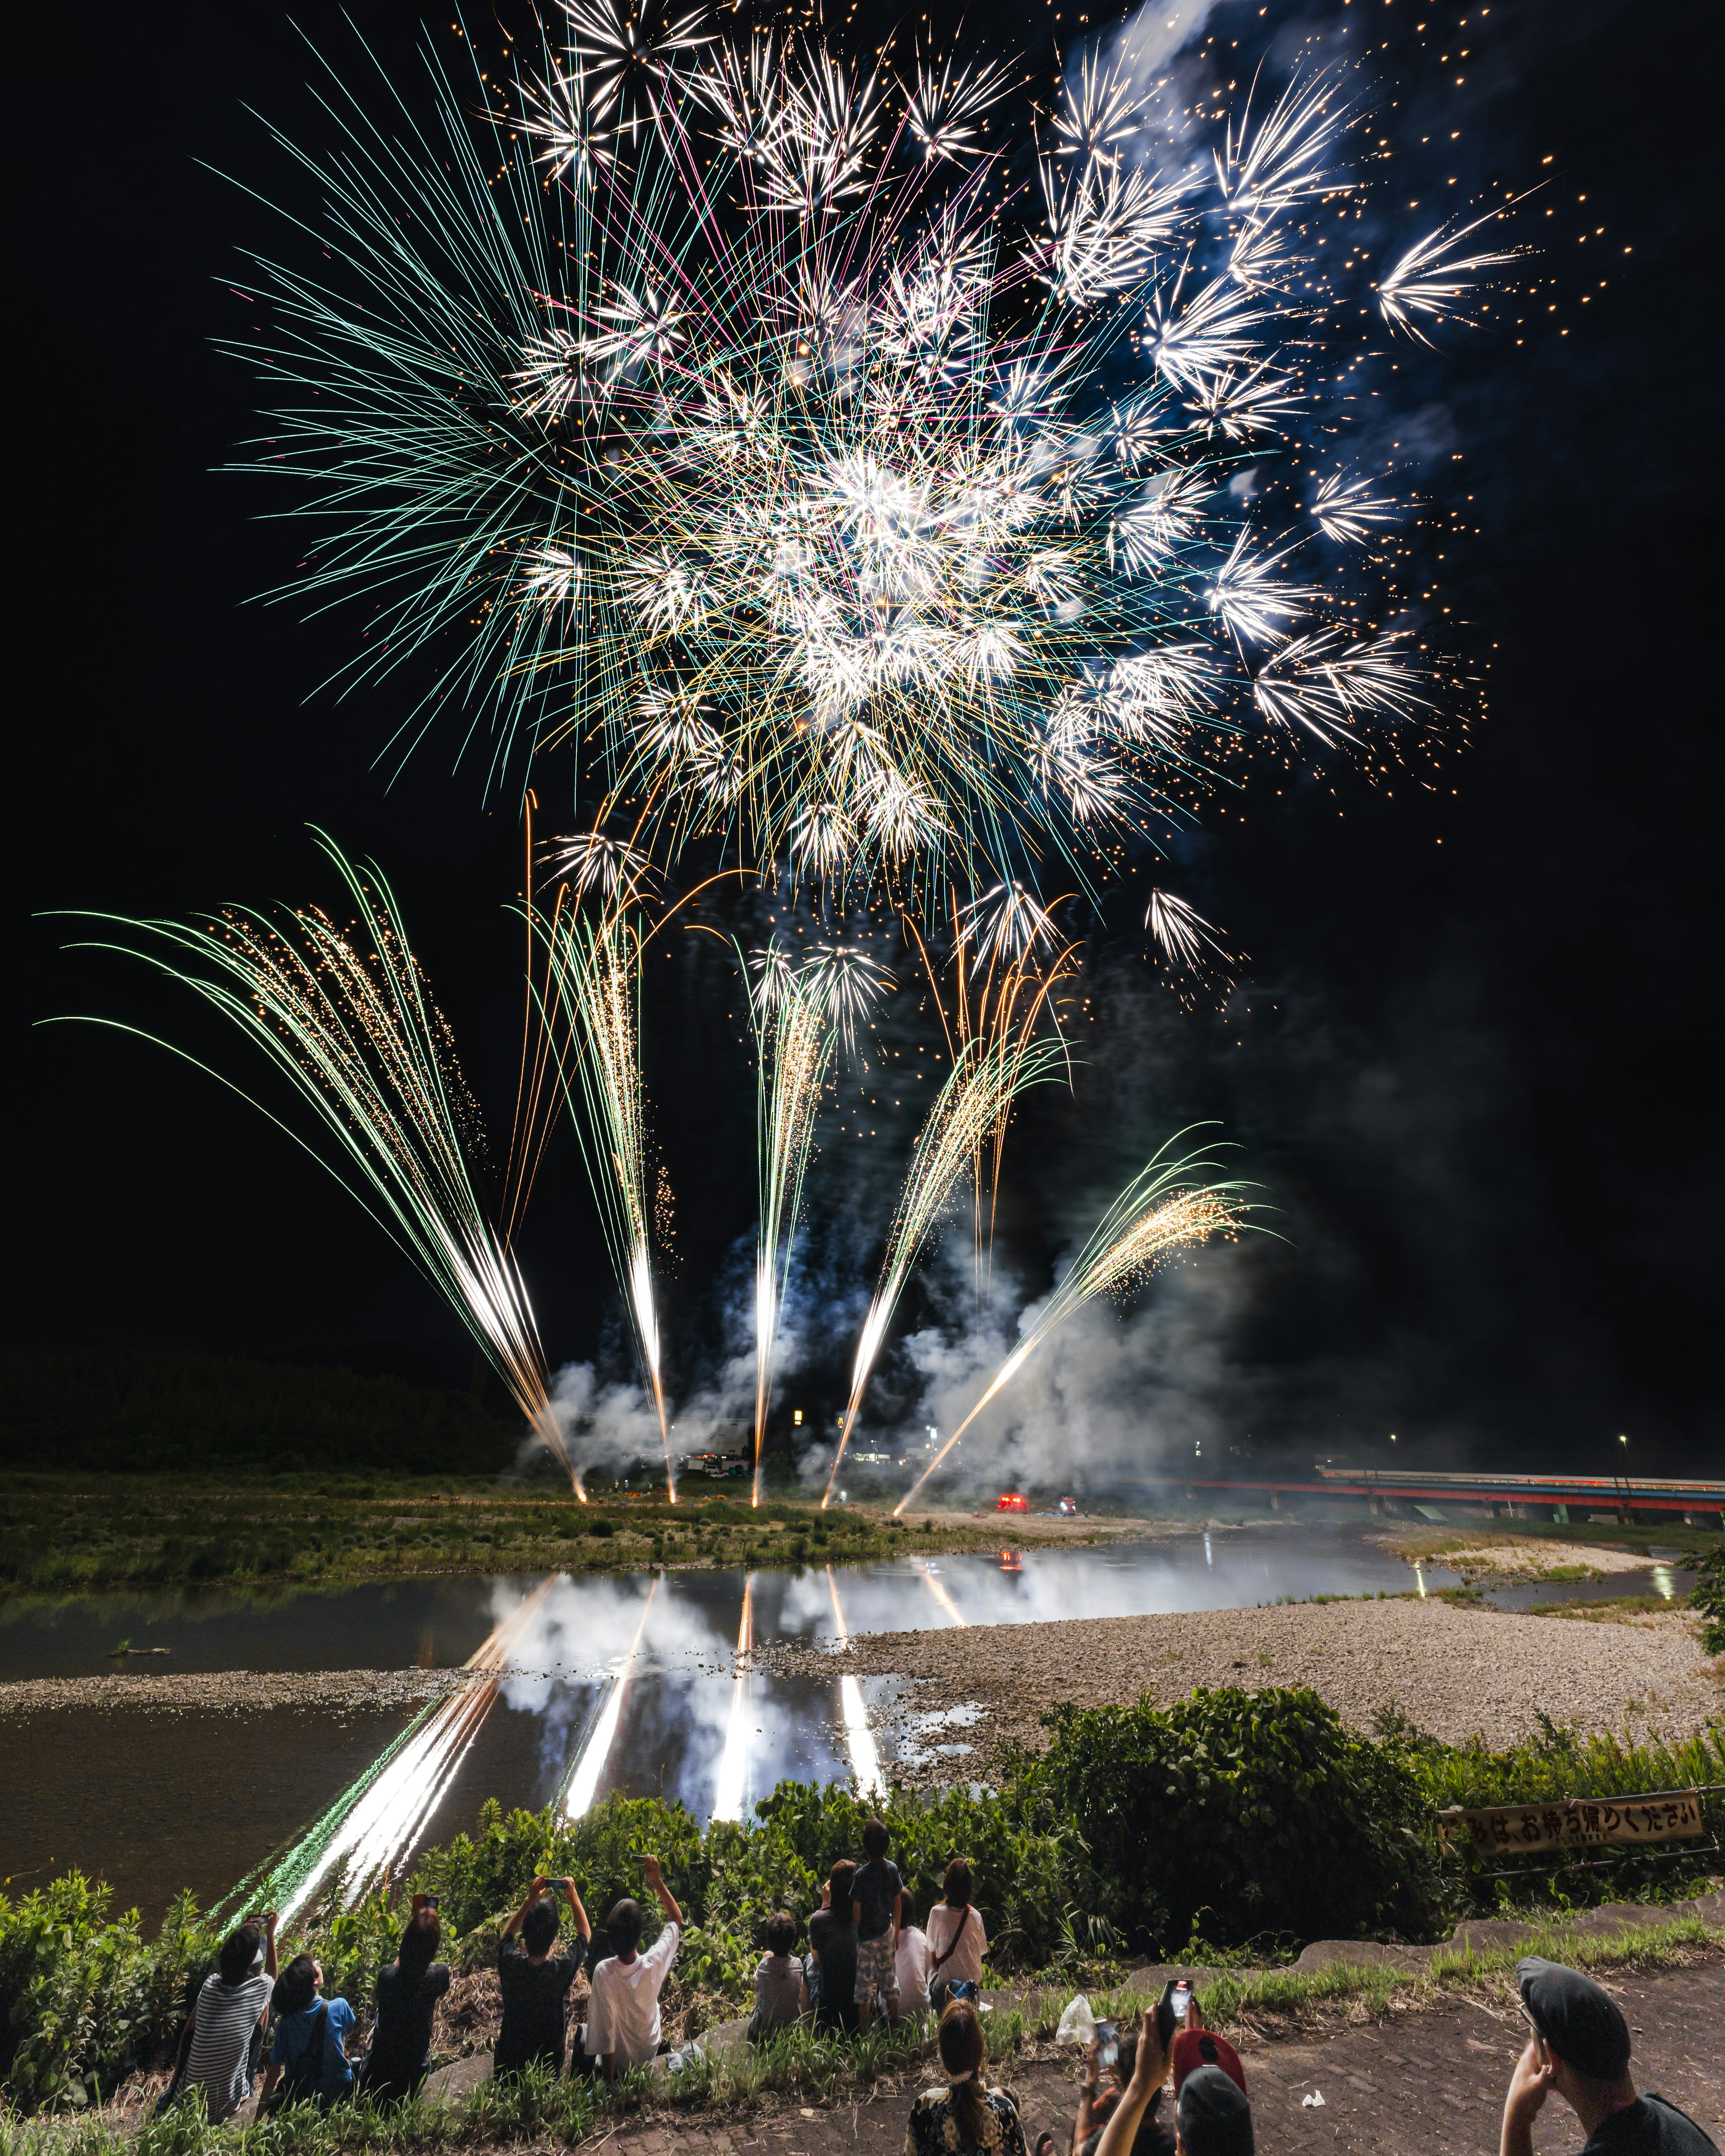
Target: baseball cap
pixel 1214 2118
pixel 1195 2048
pixel 1583 2025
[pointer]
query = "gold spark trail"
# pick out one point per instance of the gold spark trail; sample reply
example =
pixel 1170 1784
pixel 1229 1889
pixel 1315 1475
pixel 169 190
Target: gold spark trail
pixel 1159 1211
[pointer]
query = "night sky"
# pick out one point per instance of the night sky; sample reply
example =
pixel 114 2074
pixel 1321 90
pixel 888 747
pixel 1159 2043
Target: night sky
pixel 1468 1060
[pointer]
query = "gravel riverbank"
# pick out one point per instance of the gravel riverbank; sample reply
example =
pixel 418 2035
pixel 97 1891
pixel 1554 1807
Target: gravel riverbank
pixel 235 1691
pixel 1455 1671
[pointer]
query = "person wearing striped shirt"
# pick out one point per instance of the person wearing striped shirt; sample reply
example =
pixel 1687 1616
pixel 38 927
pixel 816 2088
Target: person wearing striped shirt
pixel 230 2011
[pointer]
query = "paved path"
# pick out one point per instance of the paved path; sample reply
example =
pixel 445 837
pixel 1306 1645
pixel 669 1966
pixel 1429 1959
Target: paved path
pixel 1412 2082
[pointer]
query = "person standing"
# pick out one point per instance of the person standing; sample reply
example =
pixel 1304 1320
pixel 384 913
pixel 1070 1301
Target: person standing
pixel 876 1894
pixel 535 1981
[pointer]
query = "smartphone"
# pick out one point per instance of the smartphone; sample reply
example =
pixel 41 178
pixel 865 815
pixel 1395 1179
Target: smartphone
pixel 1107 2044
pixel 1171 2008
pixel 563 1883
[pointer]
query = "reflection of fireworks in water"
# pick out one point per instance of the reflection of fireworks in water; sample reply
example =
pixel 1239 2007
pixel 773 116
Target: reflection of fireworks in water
pixel 588 1765
pixel 1158 1212
pixel 858 1738
pixel 731 405
pixel 942 1595
pixel 731 1794
pixel 353 1027
pixel 593 992
pixel 370 1831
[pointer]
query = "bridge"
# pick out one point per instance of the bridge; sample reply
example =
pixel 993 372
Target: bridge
pixel 1697 1503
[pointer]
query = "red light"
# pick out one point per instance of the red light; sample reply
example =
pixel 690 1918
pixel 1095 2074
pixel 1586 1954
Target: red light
pixel 1012 1500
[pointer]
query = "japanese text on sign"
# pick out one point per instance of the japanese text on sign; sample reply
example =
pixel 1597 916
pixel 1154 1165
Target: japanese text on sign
pixel 1672 1815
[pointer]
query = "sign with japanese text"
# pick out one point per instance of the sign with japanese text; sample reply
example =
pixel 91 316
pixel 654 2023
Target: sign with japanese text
pixel 1670 1815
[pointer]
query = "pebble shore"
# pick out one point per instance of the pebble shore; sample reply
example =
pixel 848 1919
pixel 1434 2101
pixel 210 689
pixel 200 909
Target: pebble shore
pixel 1455 1671
pixel 203 1692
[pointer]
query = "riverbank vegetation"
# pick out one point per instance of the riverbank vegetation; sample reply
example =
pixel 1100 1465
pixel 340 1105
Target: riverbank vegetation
pixel 1256 1822
pixel 64 1535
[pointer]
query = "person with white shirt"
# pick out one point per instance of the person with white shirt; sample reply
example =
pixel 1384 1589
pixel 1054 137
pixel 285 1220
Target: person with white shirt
pixel 912 1963
pixel 623 2014
pixel 956 1933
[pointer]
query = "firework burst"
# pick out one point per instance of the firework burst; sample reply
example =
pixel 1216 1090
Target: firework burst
pixel 747 413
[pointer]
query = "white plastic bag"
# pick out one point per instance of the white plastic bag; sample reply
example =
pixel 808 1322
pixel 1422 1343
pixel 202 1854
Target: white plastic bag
pixel 1316 2097
pixel 1078 2024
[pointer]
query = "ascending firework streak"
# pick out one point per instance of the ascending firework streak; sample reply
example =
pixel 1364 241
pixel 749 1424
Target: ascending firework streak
pixel 858 1738
pixel 1158 1212
pixel 365 1836
pixel 972 1104
pixel 593 992
pixel 732 1793
pixel 794 1045
pixel 354 1029
pixel 589 1762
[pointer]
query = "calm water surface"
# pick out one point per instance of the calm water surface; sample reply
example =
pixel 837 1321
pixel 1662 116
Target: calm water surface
pixel 611 1682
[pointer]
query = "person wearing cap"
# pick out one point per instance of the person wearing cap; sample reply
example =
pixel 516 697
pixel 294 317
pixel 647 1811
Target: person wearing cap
pixel 1212 2115
pixel 1580 2047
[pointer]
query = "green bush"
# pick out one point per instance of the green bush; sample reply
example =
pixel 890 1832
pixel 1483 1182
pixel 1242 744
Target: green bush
pixel 83 2000
pixel 1236 1813
pixel 1708 1595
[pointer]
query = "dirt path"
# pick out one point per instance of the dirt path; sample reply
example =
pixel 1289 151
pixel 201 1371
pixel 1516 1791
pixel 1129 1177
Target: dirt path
pixel 1412 2082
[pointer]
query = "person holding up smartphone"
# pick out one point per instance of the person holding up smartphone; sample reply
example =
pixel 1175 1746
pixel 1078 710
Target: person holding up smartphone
pixel 535 1981
pixel 623 2025
pixel 408 1988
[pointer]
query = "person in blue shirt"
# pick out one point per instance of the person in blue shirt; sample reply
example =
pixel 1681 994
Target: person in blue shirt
pixel 303 2017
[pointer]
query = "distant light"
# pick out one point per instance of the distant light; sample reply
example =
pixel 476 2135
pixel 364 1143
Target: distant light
pixel 797 1415
pixel 1621 1439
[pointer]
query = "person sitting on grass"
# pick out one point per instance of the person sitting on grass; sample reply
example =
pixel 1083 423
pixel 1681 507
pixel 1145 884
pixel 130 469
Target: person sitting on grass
pixel 623 2014
pixel 876 1894
pixel 309 2055
pixel 956 1933
pixel 408 1988
pixel 965 2117
pixel 780 1987
pixel 913 1961
pixel 1580 2047
pixel 831 1951
pixel 535 1982
pixel 229 2017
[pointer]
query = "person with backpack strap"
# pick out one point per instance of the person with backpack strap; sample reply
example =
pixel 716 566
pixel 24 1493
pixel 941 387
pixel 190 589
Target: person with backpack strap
pixel 956 1934
pixel 308 2059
